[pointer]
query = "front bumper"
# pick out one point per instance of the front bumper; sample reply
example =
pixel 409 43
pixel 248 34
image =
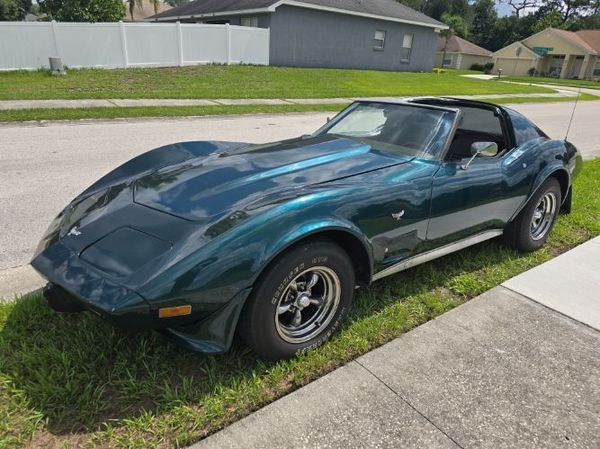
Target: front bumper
pixel 92 290
pixel 87 288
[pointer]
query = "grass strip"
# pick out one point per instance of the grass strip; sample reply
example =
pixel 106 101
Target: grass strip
pixel 23 115
pixel 556 81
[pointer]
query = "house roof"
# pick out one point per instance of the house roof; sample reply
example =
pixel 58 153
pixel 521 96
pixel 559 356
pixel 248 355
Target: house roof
pixel 457 44
pixel 576 38
pixel 591 37
pixel 390 10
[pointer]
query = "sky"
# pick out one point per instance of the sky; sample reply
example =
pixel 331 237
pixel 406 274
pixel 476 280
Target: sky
pixel 503 9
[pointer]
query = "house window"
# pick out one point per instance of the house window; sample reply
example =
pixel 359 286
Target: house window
pixel 406 49
pixel 379 42
pixel 556 65
pixel 597 70
pixel 249 22
pixel 447 61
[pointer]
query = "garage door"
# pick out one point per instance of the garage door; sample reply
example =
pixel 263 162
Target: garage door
pixel 516 67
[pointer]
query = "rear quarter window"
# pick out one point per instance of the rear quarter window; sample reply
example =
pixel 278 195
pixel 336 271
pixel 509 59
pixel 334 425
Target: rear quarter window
pixel 524 129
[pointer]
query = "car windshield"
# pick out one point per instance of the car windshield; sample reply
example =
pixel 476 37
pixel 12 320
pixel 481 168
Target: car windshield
pixel 399 128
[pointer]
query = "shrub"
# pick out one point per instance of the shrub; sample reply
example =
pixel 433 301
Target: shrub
pixel 488 67
pixel 478 67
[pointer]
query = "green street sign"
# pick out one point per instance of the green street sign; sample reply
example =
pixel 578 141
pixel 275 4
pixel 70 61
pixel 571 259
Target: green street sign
pixel 542 50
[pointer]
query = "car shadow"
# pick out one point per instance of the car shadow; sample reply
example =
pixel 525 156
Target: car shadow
pixel 80 373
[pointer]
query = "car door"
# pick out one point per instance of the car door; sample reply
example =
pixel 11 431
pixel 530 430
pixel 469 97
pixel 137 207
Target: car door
pixel 471 195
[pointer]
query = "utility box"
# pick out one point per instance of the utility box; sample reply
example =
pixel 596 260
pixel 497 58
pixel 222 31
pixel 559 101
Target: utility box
pixel 57 67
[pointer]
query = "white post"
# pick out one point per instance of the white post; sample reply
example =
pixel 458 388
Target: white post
pixel 55 39
pixel 228 30
pixel 179 43
pixel 124 44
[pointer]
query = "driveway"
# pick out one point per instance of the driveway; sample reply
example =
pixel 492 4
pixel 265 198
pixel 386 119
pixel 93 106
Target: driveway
pixel 45 166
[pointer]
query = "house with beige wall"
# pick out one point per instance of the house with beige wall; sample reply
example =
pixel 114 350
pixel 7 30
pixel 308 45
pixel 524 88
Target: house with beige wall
pixel 553 52
pixel 457 53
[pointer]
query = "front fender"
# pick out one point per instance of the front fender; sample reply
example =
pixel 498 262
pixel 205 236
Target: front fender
pixel 311 229
pixel 233 261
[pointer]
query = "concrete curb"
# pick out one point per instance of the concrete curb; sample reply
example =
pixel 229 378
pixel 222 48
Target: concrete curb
pixel 19 281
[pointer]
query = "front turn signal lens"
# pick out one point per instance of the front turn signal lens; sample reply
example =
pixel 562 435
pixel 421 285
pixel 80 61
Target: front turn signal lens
pixel 169 312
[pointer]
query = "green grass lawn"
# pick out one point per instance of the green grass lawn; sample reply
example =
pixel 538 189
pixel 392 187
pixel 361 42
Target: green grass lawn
pixel 75 381
pixel 216 81
pixel 558 81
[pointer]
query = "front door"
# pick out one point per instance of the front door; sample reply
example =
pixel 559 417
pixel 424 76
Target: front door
pixel 470 196
pixel 467 201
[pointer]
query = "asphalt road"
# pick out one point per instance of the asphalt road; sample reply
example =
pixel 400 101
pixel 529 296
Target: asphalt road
pixel 43 167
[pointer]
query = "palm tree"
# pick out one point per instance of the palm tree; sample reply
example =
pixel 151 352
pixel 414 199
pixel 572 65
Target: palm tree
pixel 140 4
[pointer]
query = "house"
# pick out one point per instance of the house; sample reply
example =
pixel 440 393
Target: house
pixel 143 9
pixel 357 34
pixel 553 52
pixel 457 53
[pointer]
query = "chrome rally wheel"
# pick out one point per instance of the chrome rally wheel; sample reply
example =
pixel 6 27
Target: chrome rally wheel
pixel 308 303
pixel 543 216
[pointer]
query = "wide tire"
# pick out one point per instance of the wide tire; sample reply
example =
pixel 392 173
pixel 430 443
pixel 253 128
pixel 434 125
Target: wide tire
pixel 530 230
pixel 299 301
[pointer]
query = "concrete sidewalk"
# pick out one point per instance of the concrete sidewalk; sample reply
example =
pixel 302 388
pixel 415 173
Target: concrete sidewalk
pixel 516 367
pixel 125 103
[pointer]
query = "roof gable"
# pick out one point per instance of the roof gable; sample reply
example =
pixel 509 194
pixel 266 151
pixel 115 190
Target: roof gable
pixel 455 44
pixel 505 52
pixel 389 10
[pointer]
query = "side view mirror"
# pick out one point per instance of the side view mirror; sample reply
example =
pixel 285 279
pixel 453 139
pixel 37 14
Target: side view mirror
pixel 328 119
pixel 489 149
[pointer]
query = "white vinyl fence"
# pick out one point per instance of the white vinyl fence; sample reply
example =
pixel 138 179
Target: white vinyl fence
pixel 28 45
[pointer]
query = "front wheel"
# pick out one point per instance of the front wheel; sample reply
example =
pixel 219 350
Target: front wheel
pixel 530 230
pixel 300 300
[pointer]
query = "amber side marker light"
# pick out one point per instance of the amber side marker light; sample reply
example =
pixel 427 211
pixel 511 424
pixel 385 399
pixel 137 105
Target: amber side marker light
pixel 168 312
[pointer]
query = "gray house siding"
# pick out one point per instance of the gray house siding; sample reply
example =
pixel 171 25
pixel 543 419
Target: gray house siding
pixel 303 37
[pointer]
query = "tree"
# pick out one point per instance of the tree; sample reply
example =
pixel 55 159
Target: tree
pixel 14 9
pixel 437 8
pixel 484 22
pixel 140 3
pixel 520 6
pixel 83 10
pixel 456 27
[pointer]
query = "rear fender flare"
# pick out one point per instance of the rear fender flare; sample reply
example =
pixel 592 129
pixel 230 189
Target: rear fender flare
pixel 558 171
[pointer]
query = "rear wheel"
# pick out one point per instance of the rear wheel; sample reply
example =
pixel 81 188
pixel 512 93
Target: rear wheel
pixel 300 300
pixel 530 230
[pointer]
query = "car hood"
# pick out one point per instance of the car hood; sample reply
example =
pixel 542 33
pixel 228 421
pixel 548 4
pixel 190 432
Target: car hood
pixel 230 180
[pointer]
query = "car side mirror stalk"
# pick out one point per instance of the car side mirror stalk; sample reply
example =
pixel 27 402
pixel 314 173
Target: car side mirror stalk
pixel 489 149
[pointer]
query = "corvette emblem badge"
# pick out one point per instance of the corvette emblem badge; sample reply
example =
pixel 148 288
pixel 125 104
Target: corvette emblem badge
pixel 74 231
pixel 398 216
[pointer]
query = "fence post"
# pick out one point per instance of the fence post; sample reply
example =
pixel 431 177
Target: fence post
pixel 179 43
pixel 124 43
pixel 228 39
pixel 55 39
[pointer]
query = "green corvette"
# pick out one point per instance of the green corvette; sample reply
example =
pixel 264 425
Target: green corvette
pixel 199 240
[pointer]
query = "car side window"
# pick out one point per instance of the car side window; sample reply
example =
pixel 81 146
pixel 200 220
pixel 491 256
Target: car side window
pixel 524 129
pixel 477 124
